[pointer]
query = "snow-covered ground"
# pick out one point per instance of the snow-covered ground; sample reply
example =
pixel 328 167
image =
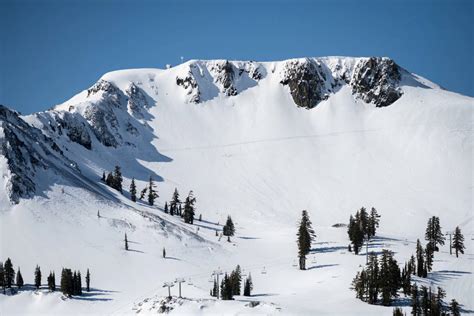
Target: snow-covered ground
pixel 261 159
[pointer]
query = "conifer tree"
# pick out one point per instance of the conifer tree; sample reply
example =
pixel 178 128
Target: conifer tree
pixel 67 282
pixel 88 280
pixel 425 300
pixel 189 208
pixel 2 277
pixel 374 220
pixel 398 311
pixel 228 229
pixel 355 232
pixel 412 265
pixel 103 176
pixel 19 279
pixel 152 195
pixel 166 208
pixel 433 234
pixel 164 252
pixel 143 192
pixel 79 283
pixel 226 288
pixel 109 180
pixel 51 282
pixel 37 277
pixel 458 241
pixel 305 236
pixel 248 286
pixel 429 257
pixel 126 242
pixel 390 280
pixel 236 280
pixel 9 273
pixel 372 276
pixel 454 308
pixel 415 302
pixel 180 210
pixel 133 191
pixel 175 202
pixel 117 179
pixel 420 262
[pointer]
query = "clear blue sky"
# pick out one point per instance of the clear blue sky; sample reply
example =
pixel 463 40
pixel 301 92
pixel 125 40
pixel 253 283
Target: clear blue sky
pixel 51 50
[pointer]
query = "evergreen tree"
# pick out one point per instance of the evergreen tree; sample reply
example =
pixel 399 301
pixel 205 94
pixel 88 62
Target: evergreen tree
pixel 412 265
pixel 103 176
pixel 305 237
pixel 362 219
pixel 248 286
pixel 74 284
pixel 142 193
pixel 236 280
pixel 429 257
pixel 420 262
pixel 109 180
pixel 98 214
pixel 164 252
pixel 166 208
pixel 359 285
pixel 126 242
pixel 433 233
pixel 372 276
pixel 175 202
pixel 180 210
pixel 133 191
pixel 19 279
pixel 425 300
pixel 67 285
pixel 454 308
pixel 406 280
pixel 374 220
pixel 117 179
pixel 437 306
pixel 2 277
pixel 152 195
pixel 226 288
pixel 79 283
pixel 228 229
pixel 200 217
pixel 415 302
pixel 37 277
pixel 189 208
pixel 458 241
pixel 88 280
pixel 390 280
pixel 398 311
pixel 355 232
pixel 51 282
pixel 9 273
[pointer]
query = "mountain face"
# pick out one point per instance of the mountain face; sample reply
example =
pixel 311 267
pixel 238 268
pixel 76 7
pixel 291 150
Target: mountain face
pixel 134 118
pixel 260 141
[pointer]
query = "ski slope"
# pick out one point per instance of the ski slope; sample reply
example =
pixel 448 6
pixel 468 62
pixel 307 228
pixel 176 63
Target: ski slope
pixel 262 159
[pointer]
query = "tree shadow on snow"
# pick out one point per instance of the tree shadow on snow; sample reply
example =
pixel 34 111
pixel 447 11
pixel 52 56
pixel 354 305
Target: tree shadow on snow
pixel 319 266
pixel 327 249
pixel 443 275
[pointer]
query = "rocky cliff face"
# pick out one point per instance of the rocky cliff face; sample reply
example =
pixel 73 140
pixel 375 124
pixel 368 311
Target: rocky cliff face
pixel 26 150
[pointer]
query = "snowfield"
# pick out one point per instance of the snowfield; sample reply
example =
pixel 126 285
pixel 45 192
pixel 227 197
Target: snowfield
pixel 256 156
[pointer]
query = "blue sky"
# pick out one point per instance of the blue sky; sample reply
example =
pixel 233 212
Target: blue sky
pixel 51 50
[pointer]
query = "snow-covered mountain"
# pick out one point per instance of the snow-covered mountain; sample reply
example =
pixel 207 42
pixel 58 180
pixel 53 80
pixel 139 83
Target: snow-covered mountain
pixel 258 140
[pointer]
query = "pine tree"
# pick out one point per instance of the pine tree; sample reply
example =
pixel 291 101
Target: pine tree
pixel 305 236
pixel 88 280
pixel 2 277
pixel 236 280
pixel 9 273
pixel 359 285
pixel 117 179
pixel 372 277
pixel 438 302
pixel 51 282
pixel 189 208
pixel 142 193
pixel 109 180
pixel 454 308
pixel 98 214
pixel 412 265
pixel 164 252
pixel 226 288
pixel 152 195
pixel 166 208
pixel 425 301
pixel 228 229
pixel 133 191
pixel 175 202
pixel 180 210
pixel 355 232
pixel 398 311
pixel 200 217
pixel 103 176
pixel 19 279
pixel 37 277
pixel 415 303
pixel 373 222
pixel 433 233
pixel 429 257
pixel 390 280
pixel 67 282
pixel 74 284
pixel 79 283
pixel 126 242
pixel 420 262
pixel 458 241
pixel 248 286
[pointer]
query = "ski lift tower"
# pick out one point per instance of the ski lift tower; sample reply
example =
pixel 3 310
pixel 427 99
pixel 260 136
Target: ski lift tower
pixel 179 281
pixel 216 273
pixel 169 285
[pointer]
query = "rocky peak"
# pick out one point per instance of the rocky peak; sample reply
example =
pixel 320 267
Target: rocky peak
pixel 376 80
pixel 307 81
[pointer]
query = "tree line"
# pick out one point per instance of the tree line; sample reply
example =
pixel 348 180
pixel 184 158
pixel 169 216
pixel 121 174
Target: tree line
pixel 70 284
pixel 231 285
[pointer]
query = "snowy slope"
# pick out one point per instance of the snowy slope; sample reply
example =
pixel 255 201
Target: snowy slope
pixel 259 141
